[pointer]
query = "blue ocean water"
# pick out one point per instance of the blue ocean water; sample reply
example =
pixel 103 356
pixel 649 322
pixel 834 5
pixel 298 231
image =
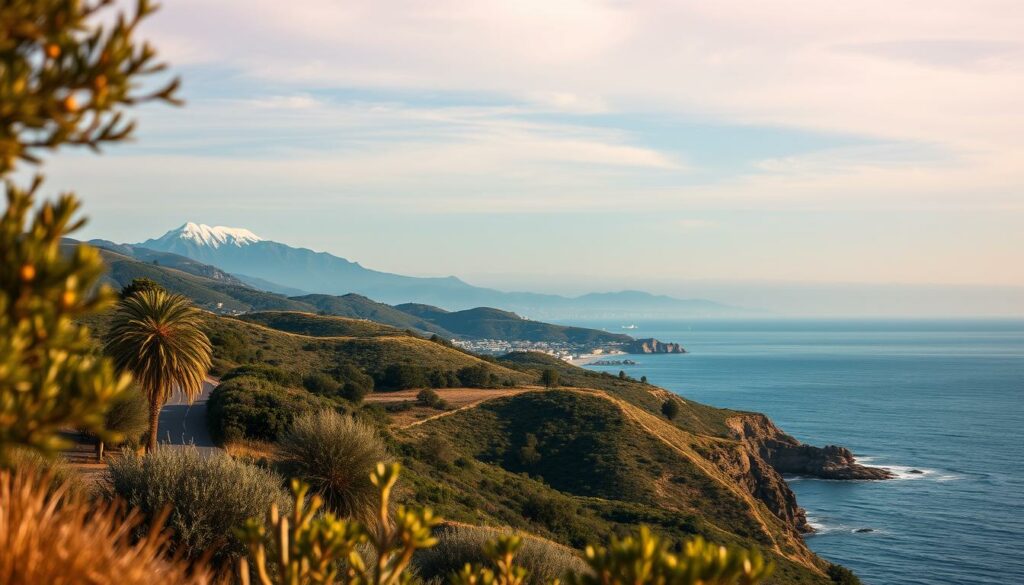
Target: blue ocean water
pixel 943 397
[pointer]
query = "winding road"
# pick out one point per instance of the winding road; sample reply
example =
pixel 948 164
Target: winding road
pixel 184 424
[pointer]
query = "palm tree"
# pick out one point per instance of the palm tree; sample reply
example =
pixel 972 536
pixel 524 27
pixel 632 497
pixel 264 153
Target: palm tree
pixel 157 337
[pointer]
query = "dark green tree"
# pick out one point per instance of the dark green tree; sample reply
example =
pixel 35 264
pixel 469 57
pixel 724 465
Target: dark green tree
pixel 670 408
pixel 475 376
pixel 549 377
pixel 138 285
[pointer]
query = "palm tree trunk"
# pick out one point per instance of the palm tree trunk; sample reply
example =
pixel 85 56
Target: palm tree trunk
pixel 154 423
pixel 99 450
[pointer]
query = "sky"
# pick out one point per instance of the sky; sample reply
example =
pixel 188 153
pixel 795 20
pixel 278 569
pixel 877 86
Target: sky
pixel 733 149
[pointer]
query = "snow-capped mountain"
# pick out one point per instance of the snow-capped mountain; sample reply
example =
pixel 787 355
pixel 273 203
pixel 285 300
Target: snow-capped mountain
pixel 212 236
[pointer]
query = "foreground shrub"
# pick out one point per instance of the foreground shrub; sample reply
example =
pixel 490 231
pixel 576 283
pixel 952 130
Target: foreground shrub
pixel 55 473
pixel 644 558
pixel 250 408
pixel 128 417
pixel 46 536
pixel 334 454
pixel 310 548
pixel 206 495
pixel 459 545
pixel 313 549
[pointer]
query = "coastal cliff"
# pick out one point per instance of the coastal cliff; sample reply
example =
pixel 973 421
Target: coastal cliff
pixel 651 345
pixel 787 455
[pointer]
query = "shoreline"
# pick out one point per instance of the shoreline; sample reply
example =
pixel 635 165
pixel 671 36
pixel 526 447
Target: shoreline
pixel 582 360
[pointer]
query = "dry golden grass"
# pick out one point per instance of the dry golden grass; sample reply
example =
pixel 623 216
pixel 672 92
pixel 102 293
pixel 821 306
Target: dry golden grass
pixel 251 450
pixel 48 536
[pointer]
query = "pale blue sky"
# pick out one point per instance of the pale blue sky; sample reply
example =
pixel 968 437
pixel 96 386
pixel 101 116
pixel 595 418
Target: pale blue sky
pixel 592 145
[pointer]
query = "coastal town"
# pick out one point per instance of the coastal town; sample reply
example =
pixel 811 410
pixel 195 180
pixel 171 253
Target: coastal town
pixel 562 350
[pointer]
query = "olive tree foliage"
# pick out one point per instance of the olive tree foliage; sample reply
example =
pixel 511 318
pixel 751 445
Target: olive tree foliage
pixel 66 78
pixel 50 374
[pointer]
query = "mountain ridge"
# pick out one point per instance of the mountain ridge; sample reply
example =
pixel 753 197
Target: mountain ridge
pixel 239 251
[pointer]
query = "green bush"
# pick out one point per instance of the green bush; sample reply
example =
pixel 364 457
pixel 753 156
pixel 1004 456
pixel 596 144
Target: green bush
pixel 458 545
pixel 475 376
pixel 437 451
pixel 842 576
pixel 355 383
pixel 263 372
pixel 428 397
pixel 334 454
pixel 251 408
pixel 670 408
pixel 207 496
pixel 403 377
pixel 129 417
pixel 319 383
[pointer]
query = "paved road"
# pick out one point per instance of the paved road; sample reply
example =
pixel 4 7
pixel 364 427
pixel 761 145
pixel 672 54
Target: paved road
pixel 182 423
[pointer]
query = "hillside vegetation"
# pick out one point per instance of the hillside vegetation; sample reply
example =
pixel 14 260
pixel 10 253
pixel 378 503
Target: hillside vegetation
pixel 488 323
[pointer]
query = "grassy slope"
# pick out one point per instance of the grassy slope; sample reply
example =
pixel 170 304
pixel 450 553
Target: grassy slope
pixel 205 292
pixel 605 467
pixel 320 326
pixel 238 341
pixel 359 307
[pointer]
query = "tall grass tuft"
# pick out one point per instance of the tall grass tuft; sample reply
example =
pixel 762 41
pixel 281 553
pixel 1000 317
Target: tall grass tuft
pixel 459 544
pixel 207 496
pixel 334 454
pixel 49 536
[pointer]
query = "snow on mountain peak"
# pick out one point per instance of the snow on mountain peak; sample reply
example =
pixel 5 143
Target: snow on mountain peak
pixel 213 236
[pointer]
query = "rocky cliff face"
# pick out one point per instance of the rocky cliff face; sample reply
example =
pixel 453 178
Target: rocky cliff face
pixel 652 345
pixel 787 455
pixel 749 470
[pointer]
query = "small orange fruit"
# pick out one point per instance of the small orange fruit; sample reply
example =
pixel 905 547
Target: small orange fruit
pixel 28 273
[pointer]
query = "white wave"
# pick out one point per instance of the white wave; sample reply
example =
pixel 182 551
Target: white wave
pixel 907 472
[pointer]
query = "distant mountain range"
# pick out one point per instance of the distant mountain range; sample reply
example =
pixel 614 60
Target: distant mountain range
pixel 291 271
pixel 217 291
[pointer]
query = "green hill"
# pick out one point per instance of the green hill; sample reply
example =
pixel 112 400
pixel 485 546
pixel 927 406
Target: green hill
pixel 320 325
pixel 579 466
pixel 489 323
pixel 208 293
pixel 375 349
pixel 359 307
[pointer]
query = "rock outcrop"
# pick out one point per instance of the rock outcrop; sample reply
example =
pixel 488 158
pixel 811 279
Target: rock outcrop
pixel 761 480
pixel 651 345
pixel 789 456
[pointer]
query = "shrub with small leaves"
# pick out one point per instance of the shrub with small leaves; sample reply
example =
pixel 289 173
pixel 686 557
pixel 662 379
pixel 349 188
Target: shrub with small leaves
pixel 67 74
pixel 205 495
pixel 50 374
pixel 334 454
pixel 645 559
pixel 320 549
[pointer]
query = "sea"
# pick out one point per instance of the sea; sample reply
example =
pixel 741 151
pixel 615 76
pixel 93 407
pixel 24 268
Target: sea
pixel 941 397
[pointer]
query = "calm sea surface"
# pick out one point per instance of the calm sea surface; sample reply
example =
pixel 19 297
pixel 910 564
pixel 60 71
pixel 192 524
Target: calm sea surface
pixel 943 397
